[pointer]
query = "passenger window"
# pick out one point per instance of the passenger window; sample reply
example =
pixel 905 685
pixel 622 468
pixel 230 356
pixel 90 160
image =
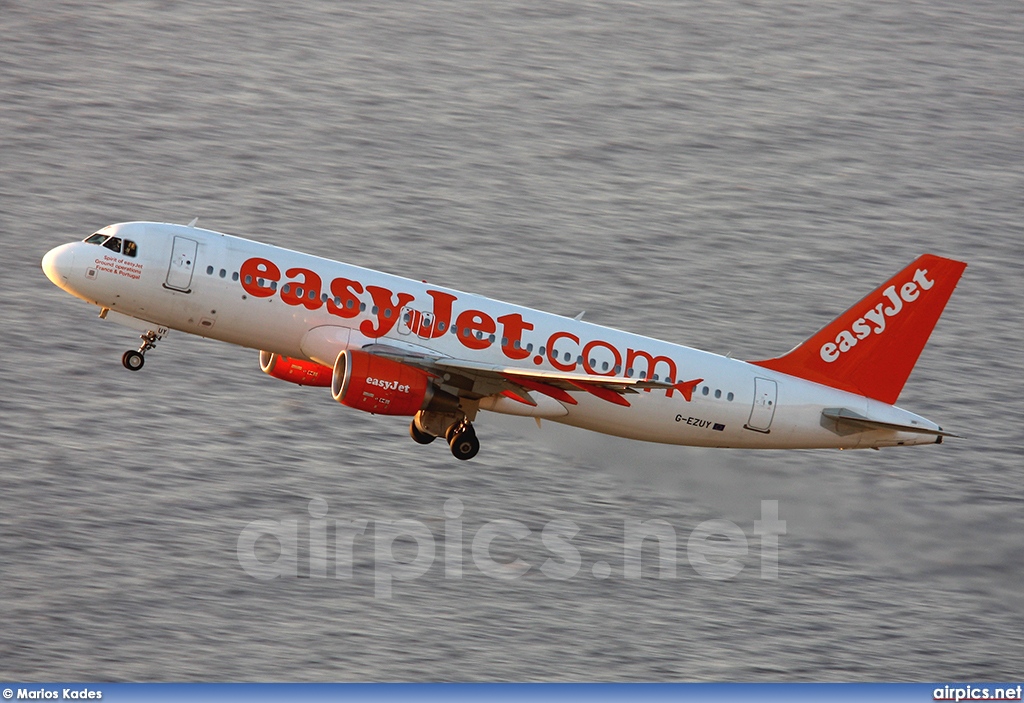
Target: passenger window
pixel 114 244
pixel 130 248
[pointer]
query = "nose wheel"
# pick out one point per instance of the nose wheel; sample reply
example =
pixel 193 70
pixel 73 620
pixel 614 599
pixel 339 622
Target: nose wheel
pixel 134 360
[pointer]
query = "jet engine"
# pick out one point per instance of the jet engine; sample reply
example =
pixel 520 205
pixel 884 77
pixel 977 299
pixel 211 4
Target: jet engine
pixel 304 373
pixel 381 386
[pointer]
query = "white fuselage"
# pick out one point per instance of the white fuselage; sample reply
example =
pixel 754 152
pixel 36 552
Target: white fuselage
pixel 206 283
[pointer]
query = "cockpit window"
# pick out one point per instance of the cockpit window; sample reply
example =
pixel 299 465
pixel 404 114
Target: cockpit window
pixel 113 243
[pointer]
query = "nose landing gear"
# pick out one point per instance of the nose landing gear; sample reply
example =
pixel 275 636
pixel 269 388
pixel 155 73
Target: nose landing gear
pixel 134 360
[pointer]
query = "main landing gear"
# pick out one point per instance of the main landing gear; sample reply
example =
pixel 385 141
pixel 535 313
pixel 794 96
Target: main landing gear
pixel 134 360
pixel 418 435
pixel 462 440
pixel 458 432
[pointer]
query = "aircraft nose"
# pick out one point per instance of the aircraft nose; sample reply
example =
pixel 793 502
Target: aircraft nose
pixel 57 264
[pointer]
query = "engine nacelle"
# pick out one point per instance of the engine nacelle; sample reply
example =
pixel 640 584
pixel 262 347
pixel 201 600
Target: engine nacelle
pixel 381 386
pixel 304 373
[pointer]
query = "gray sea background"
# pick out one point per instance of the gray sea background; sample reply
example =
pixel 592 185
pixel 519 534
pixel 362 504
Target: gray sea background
pixel 726 175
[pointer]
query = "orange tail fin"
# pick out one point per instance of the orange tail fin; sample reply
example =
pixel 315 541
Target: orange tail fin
pixel 871 348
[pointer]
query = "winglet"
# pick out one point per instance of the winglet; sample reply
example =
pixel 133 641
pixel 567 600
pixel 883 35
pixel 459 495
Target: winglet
pixel 687 388
pixel 546 389
pixel 602 393
pixel 871 348
pixel 523 398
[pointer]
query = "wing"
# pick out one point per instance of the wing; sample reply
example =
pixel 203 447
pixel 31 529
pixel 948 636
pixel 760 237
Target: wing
pixel 477 380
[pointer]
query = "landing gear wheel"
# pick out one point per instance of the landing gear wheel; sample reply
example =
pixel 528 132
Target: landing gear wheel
pixel 418 436
pixel 133 360
pixel 464 443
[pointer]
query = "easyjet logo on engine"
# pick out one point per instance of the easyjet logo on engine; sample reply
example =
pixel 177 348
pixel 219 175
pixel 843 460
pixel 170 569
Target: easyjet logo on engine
pixel 475 329
pixel 388 385
pixel 874 320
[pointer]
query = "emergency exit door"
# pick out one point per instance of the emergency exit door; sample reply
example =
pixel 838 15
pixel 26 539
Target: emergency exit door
pixel 763 411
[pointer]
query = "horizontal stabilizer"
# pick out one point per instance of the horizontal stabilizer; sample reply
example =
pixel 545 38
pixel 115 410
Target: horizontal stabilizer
pixel 850 417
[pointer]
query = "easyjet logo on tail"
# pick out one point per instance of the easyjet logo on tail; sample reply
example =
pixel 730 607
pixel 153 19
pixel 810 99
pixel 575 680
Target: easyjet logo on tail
pixel 874 320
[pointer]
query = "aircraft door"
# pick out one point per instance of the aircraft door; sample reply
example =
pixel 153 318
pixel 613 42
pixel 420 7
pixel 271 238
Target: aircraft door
pixel 407 322
pixel 426 326
pixel 415 322
pixel 761 414
pixel 183 263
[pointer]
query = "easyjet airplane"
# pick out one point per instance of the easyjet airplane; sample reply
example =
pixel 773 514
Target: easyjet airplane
pixel 394 346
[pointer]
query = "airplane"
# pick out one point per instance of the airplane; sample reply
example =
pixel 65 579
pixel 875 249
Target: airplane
pixel 389 345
